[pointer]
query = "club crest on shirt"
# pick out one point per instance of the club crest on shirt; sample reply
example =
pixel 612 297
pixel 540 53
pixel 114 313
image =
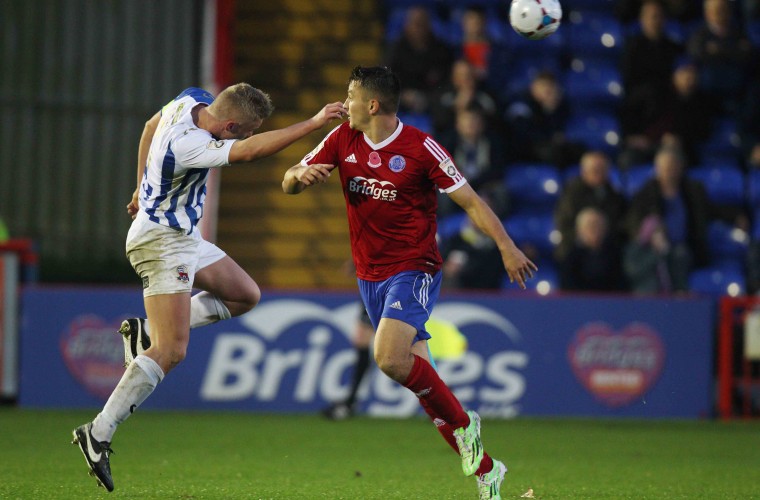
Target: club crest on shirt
pixel 215 144
pixel 182 274
pixel 374 159
pixel 397 163
pixel 448 166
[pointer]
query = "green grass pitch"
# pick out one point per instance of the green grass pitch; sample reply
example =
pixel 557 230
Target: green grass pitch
pixel 203 455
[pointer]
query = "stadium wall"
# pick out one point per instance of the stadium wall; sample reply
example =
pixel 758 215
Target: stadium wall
pixel 527 355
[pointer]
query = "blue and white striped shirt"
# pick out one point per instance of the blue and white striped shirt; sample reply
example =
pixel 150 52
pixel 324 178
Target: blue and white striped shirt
pixel 174 184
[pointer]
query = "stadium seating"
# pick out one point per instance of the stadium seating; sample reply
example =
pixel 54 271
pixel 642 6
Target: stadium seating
pixel 535 229
pixel 593 85
pixel 450 225
pixel 422 121
pixel 727 244
pixel 724 183
pixel 753 31
pixel 596 34
pixel 753 189
pixel 636 177
pixel 597 130
pixel 718 280
pixel 723 143
pixel 533 186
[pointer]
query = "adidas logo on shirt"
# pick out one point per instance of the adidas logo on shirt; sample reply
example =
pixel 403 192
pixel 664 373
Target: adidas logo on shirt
pixel 350 158
pixel 397 305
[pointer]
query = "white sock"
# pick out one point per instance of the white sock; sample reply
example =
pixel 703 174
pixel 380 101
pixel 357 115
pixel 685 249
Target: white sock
pixel 138 382
pixel 205 309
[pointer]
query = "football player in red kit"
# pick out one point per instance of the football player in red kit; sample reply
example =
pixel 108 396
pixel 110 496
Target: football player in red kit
pixel 389 172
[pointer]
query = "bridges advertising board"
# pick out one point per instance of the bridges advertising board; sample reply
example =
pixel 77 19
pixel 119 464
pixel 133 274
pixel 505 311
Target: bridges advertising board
pixel 527 355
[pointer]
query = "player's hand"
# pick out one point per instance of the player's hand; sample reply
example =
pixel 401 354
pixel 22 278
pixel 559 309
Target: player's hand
pixel 314 174
pixel 133 206
pixel 330 112
pixel 519 267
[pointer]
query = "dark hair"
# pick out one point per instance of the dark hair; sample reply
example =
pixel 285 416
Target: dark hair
pixel 381 83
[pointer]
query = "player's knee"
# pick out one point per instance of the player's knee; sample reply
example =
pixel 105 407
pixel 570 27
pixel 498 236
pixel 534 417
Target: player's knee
pixel 391 366
pixel 177 355
pixel 252 296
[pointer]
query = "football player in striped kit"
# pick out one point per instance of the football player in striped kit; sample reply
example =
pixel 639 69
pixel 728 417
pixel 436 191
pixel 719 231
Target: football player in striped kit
pixel 389 172
pixel 190 135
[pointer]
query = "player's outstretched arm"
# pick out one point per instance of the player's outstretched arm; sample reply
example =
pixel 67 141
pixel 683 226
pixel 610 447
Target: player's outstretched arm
pixel 268 143
pixel 142 158
pixel 299 177
pixel 519 267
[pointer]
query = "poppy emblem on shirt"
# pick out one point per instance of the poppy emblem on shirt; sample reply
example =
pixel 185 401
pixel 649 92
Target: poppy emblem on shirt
pixel 374 160
pixel 397 163
pixel 182 274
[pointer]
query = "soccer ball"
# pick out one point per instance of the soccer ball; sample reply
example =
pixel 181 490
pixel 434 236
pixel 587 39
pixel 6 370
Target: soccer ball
pixel 535 19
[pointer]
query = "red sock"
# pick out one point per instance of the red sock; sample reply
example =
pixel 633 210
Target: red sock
pixel 443 427
pixel 425 383
pixel 486 464
pixel 437 398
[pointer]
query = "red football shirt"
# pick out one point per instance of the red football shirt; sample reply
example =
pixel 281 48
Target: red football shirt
pixel 390 196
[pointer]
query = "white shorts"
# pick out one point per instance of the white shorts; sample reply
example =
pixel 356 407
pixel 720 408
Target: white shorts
pixel 167 259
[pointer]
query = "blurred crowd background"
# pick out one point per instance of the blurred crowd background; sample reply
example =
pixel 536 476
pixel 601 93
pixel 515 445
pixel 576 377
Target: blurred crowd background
pixel 623 152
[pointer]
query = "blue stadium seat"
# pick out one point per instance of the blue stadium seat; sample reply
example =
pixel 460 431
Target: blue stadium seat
pixel 596 130
pixel 536 229
pixel 532 186
pixel 450 225
pixel 520 72
pixel 636 177
pixel 753 188
pixel 594 33
pixel 673 28
pixel 723 143
pixel 422 121
pixel 756 224
pixel 718 280
pixel 394 26
pixel 727 244
pixel 593 84
pixel 724 183
pixel 753 32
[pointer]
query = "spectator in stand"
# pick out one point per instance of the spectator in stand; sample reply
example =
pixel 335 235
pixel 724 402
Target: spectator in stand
pixel 683 11
pixel 724 53
pixel 462 91
pixel 592 188
pixel 652 264
pixel 680 202
pixel 648 57
pixel 480 157
pixel 682 119
pixel 421 61
pixel 471 260
pixel 537 123
pixel 489 57
pixel 593 263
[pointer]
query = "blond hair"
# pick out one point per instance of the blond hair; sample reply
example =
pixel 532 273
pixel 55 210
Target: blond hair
pixel 242 103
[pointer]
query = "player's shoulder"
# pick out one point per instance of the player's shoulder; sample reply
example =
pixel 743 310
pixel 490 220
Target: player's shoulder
pixel 197 94
pixel 413 137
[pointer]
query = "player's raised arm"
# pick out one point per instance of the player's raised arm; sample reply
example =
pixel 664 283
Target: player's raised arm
pixel 268 143
pixel 299 177
pixel 519 267
pixel 142 157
